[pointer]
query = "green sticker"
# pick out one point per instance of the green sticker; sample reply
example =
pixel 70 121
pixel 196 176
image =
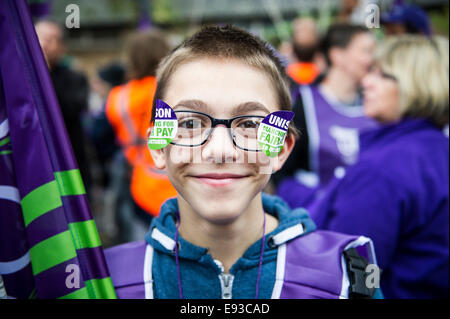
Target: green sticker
pixel 164 127
pixel 271 140
pixel 272 132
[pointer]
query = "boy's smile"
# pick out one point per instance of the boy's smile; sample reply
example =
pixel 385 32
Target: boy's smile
pixel 219 179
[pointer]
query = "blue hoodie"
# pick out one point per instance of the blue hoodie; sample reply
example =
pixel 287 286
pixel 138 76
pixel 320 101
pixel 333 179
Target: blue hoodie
pixel 201 276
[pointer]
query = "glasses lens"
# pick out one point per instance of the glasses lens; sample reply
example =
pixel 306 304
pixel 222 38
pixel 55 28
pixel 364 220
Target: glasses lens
pixel 245 132
pixel 193 128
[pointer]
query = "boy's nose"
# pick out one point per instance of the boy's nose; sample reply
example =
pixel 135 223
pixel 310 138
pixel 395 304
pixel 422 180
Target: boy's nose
pixel 219 148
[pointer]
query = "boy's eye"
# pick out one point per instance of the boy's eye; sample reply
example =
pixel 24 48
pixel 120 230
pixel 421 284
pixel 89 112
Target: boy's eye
pixel 248 124
pixel 191 123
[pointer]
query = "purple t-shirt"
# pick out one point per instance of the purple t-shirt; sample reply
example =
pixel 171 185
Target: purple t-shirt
pixel 333 131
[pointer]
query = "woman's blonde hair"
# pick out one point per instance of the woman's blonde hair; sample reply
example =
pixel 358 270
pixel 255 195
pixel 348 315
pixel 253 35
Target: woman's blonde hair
pixel 421 66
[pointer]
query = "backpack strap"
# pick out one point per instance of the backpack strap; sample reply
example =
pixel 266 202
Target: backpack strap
pixel 356 269
pixel 314 266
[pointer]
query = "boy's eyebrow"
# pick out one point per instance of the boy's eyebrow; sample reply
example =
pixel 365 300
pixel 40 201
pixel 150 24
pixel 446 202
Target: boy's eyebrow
pixel 247 107
pixel 196 105
pixel 243 108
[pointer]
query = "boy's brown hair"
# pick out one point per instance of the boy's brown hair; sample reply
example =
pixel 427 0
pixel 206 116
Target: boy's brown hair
pixel 227 42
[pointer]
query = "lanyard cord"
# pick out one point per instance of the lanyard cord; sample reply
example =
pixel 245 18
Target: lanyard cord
pixel 261 256
pixel 177 262
pixel 180 290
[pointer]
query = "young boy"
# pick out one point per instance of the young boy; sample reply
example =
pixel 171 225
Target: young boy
pixel 221 237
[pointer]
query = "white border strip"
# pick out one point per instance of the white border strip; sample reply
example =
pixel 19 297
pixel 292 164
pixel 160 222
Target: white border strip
pixel 163 239
pixel 10 267
pixel 279 277
pixel 10 193
pixel 4 128
pixel 288 234
pixel 148 278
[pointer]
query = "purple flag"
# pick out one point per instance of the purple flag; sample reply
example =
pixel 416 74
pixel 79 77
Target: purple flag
pixel 40 8
pixel 145 22
pixel 49 244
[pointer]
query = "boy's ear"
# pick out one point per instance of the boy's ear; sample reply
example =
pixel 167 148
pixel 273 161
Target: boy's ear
pixel 288 146
pixel 159 158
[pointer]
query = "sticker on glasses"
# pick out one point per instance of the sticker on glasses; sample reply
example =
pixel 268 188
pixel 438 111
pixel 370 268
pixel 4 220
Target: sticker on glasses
pixel 164 128
pixel 272 132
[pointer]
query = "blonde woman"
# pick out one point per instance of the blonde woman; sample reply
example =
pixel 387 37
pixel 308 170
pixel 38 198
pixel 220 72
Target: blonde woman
pixel 398 192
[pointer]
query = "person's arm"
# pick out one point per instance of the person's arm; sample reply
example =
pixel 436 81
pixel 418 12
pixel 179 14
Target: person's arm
pixel 72 89
pixel 80 92
pixel 366 202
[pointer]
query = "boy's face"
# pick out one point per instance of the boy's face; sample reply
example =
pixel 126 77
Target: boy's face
pixel 218 180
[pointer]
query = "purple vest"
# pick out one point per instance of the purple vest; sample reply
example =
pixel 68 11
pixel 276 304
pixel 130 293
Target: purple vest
pixel 333 131
pixel 309 266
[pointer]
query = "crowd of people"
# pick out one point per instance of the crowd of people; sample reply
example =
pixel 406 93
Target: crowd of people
pixel 371 158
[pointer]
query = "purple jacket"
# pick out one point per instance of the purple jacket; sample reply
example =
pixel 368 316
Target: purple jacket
pixel 333 131
pixel 398 195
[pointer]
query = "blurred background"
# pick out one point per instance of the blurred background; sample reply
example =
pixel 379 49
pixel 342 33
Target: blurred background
pixel 98 52
pixel 105 24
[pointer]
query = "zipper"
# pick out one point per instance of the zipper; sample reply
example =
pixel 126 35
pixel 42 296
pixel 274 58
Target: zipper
pixel 226 283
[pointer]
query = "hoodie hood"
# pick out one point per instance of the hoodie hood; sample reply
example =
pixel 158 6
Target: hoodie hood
pixel 292 224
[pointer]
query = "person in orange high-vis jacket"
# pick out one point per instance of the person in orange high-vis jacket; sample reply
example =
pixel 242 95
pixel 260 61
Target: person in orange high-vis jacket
pixel 129 109
pixel 305 42
pixel 303 73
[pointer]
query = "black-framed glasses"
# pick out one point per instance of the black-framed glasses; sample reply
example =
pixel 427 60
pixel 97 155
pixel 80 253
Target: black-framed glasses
pixel 195 128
